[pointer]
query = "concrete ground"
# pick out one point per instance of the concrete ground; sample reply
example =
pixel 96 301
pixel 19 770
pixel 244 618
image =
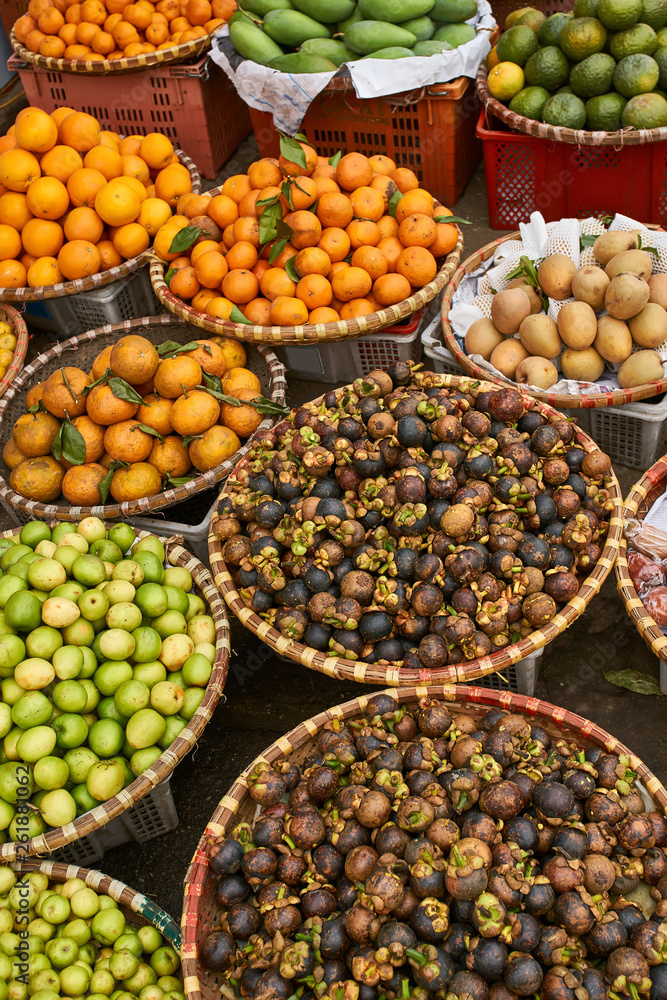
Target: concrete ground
pixel 266 697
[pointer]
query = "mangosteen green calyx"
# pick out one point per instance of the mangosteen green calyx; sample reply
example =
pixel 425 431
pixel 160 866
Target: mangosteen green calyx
pixel 404 522
pixel 424 853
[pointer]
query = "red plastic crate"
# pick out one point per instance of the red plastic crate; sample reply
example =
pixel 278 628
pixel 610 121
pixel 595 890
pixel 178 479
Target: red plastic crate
pixel 526 174
pixel 434 134
pixel 195 105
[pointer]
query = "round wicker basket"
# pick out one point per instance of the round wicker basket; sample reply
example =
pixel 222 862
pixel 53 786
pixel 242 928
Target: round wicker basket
pixel 371 673
pixel 558 133
pixel 114 67
pixel 20 331
pixel 186 740
pixel 560 400
pixel 200 911
pixel 311 333
pixel 637 504
pixel 138 909
pixel 28 294
pixel 86 347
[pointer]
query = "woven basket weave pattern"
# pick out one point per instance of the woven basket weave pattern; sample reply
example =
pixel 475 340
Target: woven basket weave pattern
pixel 185 741
pixel 367 673
pixel 20 331
pixel 85 349
pixel 200 911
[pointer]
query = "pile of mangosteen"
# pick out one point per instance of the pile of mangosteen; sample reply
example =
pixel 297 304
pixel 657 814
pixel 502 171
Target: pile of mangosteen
pixel 400 521
pixel 420 853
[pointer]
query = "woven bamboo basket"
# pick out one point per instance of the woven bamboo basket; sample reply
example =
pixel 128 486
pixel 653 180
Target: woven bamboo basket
pixel 184 743
pixel 81 351
pixel 200 911
pixel 637 504
pixel 20 331
pixel 138 909
pixel 102 278
pixel 558 133
pixel 371 673
pixel 311 333
pixel 114 67
pixel 560 400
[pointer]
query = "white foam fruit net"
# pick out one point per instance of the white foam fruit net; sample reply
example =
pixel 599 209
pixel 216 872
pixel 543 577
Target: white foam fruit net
pixel 539 239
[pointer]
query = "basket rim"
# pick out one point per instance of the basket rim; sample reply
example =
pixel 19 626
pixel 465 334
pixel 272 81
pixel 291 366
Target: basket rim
pixel 145 505
pixel 367 673
pixel 102 278
pixel 583 400
pixel 456 696
pixel 186 740
pixel 558 133
pixel 310 333
pixel 20 331
pixel 114 67
pixel 645 624
pixel 123 894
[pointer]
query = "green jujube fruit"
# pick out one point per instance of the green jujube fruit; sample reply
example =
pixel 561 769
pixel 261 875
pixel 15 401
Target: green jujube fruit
pixel 394 11
pixel 455 34
pixel 431 48
pixel 391 52
pixel 365 37
pixel 302 62
pixel 262 7
pixel 326 11
pixel 251 43
pixel 328 48
pixel 291 27
pixel 453 11
pixel 422 28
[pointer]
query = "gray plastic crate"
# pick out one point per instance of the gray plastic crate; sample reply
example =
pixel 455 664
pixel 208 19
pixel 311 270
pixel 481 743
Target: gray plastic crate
pixel 632 434
pixel 176 521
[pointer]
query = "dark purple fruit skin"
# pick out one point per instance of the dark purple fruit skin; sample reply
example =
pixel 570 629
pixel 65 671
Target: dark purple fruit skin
pixel 217 951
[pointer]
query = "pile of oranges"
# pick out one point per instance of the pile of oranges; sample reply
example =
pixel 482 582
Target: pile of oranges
pixel 140 422
pixel 94 30
pixel 7 348
pixel 75 200
pixel 364 236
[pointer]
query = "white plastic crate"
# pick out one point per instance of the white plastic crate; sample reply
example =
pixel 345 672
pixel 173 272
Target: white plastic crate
pixel 346 360
pixel 127 298
pixel 152 816
pixel 632 434
pixel 199 508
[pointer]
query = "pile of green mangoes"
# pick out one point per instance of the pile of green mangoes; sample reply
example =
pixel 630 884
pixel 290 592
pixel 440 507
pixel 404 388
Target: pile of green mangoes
pixel 63 939
pixel 105 655
pixel 318 36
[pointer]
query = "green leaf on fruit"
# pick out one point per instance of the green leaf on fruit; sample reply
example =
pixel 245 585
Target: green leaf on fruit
pixel 454 220
pixel 277 248
pixel 169 275
pixel 189 438
pixel 171 347
pixel 335 159
pixel 148 430
pixel 184 238
pixel 587 240
pixel 123 390
pixel 634 680
pixel 37 407
pixel 393 202
pixel 69 444
pixel 268 229
pixel 291 271
pixel 105 484
pixel 178 480
pixel 286 189
pixel 236 316
pixel 263 202
pixel 292 150
pixel 212 382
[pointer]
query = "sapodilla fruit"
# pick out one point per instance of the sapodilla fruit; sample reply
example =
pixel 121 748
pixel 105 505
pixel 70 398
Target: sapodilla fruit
pixel 638 261
pixel 640 368
pixel 482 338
pixel 613 340
pixel 649 327
pixel 589 285
pixel 608 245
pixel 657 284
pixel 584 366
pixel 577 324
pixel 539 372
pixel 507 356
pixel 555 275
pixel 626 295
pixel 509 308
pixel 539 335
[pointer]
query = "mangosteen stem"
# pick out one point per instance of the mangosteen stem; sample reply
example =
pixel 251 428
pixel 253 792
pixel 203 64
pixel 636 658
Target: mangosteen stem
pixel 417 957
pixel 458 860
pixel 405 989
pixel 290 843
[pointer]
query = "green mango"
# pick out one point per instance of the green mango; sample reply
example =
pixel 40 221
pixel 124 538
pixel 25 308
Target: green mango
pixel 252 43
pixel 344 25
pixel 455 34
pixel 301 62
pixel 370 36
pixel 431 48
pixel 326 11
pixel 262 7
pixel 391 52
pixel 291 27
pixel 453 11
pixel 328 48
pixel 422 28
pixel 394 11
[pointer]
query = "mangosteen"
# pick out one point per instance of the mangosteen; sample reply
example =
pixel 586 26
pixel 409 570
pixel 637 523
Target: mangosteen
pixel 375 625
pixel 487 957
pixel 561 586
pixel 523 975
pixel 218 951
pixel 506 405
pixel 545 439
pixel 534 551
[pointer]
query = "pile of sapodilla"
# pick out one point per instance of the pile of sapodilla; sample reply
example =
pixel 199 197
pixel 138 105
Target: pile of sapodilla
pixel 618 305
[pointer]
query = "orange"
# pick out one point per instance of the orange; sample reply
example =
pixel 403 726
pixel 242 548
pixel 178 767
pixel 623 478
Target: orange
pixel 134 185
pixel 170 457
pixel 155 412
pixel 157 33
pixel 11 455
pixel 335 210
pixel 312 260
pixel 315 291
pixel 382 164
pixel 293 169
pixel 417 231
pixel 414 202
pixel 10 243
pixel 203 297
pixel 288 311
pixel 85 33
pixel 210 268
pixel 34 433
pixel 80 131
pixel 177 375
pixel 34 40
pixel 156 150
pixel 385 187
pixel 117 204
pixel 418 265
pixel 446 238
pixel 61 162
pixel 14 210
pixel 246 230
pixel 13 274
pixel 34 394
pixel 140 480
pixel 233 350
pixel 248 204
pixel 405 179
pixel 371 260
pixel 78 52
pixel 107 161
pixel 265 173
pixel 35 130
pixel 352 283
pixel 153 213
pixel 210 356
pixel 134 166
pixel 38 478
pixel 92 434
pixel 109 256
pixel 126 442
pixel 131 240
pixel 199 249
pixel 84 185
pixel 275 282
pixel 335 242
pixel 83 224
pixel 193 205
pixel 135 359
pixel 18 169
pixel 61 113
pixel 7 142
pixel 391 248
pixel 23 26
pixel 103 43
pixel 324 314
pixel 130 144
pixel 172 182
pixel 47 198
pixel 102 362
pixel 324 185
pixel 165 236
pixel 63 392
pixel 302 194
pixel 81 484
pixel 137 15
pixel 198 12
pixel 356 308
pixel 242 254
pixel 367 204
pixel 219 307
pixel 243 420
pixel 93 11
pixel 184 283
pixel 44 271
pixel 194 412
pixel 237 377
pixel 41 237
pixel 236 186
pixel 354 170
pixel 78 259
pixel 307 229
pixel 260 268
pixel 240 285
pixel 391 288
pixel 388 226
pixel 363 233
pixel 53 47
pixel 257 311
pixel 215 446
pixel 105 408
